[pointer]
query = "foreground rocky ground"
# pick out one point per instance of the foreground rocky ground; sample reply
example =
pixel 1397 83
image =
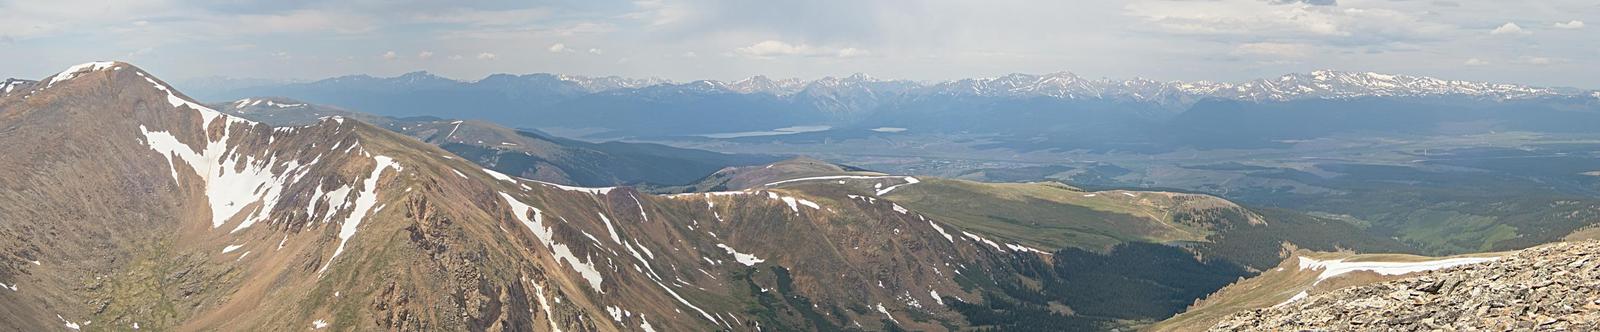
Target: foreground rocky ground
pixel 1554 287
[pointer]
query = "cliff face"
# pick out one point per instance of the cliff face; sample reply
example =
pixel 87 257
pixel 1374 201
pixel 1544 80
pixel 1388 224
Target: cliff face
pixel 1551 287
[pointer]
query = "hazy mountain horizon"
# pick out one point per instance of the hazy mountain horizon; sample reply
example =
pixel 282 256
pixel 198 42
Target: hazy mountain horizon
pixel 823 165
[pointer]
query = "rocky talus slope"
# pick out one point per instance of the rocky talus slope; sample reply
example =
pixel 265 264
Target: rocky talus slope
pixel 1554 287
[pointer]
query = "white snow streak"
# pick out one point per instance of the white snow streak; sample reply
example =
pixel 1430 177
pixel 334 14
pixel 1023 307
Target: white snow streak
pixel 645 325
pixel 1332 268
pixel 746 259
pixel 74 71
pixel 548 314
pixel 909 181
pixel 831 177
pixel 936 227
pixel 546 237
pixel 364 202
pixel 610 229
pixel 886 313
pixel 975 237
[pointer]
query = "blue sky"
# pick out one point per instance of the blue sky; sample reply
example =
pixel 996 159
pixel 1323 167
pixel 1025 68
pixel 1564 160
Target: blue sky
pixel 1537 42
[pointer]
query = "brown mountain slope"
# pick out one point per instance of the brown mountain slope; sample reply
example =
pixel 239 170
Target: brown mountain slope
pixel 142 207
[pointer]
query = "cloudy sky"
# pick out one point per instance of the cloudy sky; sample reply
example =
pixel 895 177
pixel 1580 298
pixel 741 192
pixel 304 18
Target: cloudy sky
pixel 1545 42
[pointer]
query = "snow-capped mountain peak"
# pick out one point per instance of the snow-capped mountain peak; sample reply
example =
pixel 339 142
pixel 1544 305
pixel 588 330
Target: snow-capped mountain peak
pixel 12 84
pixel 1318 84
pixel 1332 84
pixel 267 102
pixel 763 84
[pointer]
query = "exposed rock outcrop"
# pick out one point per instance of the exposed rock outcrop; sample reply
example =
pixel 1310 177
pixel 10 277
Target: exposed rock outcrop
pixel 1553 287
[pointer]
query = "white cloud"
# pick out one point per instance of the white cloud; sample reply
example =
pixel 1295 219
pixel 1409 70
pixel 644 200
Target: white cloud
pixel 774 48
pixel 1536 60
pixel 486 56
pixel 1284 20
pixel 528 32
pixel 1238 17
pixel 851 52
pixel 482 18
pixel 295 21
pixel 425 55
pixel 933 40
pixel 559 48
pixel 1280 50
pixel 391 56
pixel 659 12
pixel 1509 29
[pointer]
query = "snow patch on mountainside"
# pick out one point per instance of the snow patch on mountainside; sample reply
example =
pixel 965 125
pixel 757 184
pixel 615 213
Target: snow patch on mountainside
pixel 546 237
pixel 830 177
pixel 909 181
pixel 10 85
pixel 77 70
pixel 232 182
pixel 743 258
pixel 946 235
pixel 590 190
pixel 363 204
pixel 1336 267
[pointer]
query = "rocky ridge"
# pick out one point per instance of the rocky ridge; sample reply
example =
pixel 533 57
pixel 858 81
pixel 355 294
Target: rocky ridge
pixel 1555 287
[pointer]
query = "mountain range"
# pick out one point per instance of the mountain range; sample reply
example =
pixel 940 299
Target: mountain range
pixel 1319 84
pixel 146 209
pixel 1019 111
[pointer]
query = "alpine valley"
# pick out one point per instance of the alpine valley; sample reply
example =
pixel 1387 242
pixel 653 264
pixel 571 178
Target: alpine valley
pixel 1018 203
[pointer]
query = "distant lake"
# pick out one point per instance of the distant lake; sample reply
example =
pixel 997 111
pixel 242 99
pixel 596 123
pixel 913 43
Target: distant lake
pixel 774 132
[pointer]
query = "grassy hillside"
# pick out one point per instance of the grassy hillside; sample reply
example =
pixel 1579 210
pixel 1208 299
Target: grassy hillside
pixel 1053 216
